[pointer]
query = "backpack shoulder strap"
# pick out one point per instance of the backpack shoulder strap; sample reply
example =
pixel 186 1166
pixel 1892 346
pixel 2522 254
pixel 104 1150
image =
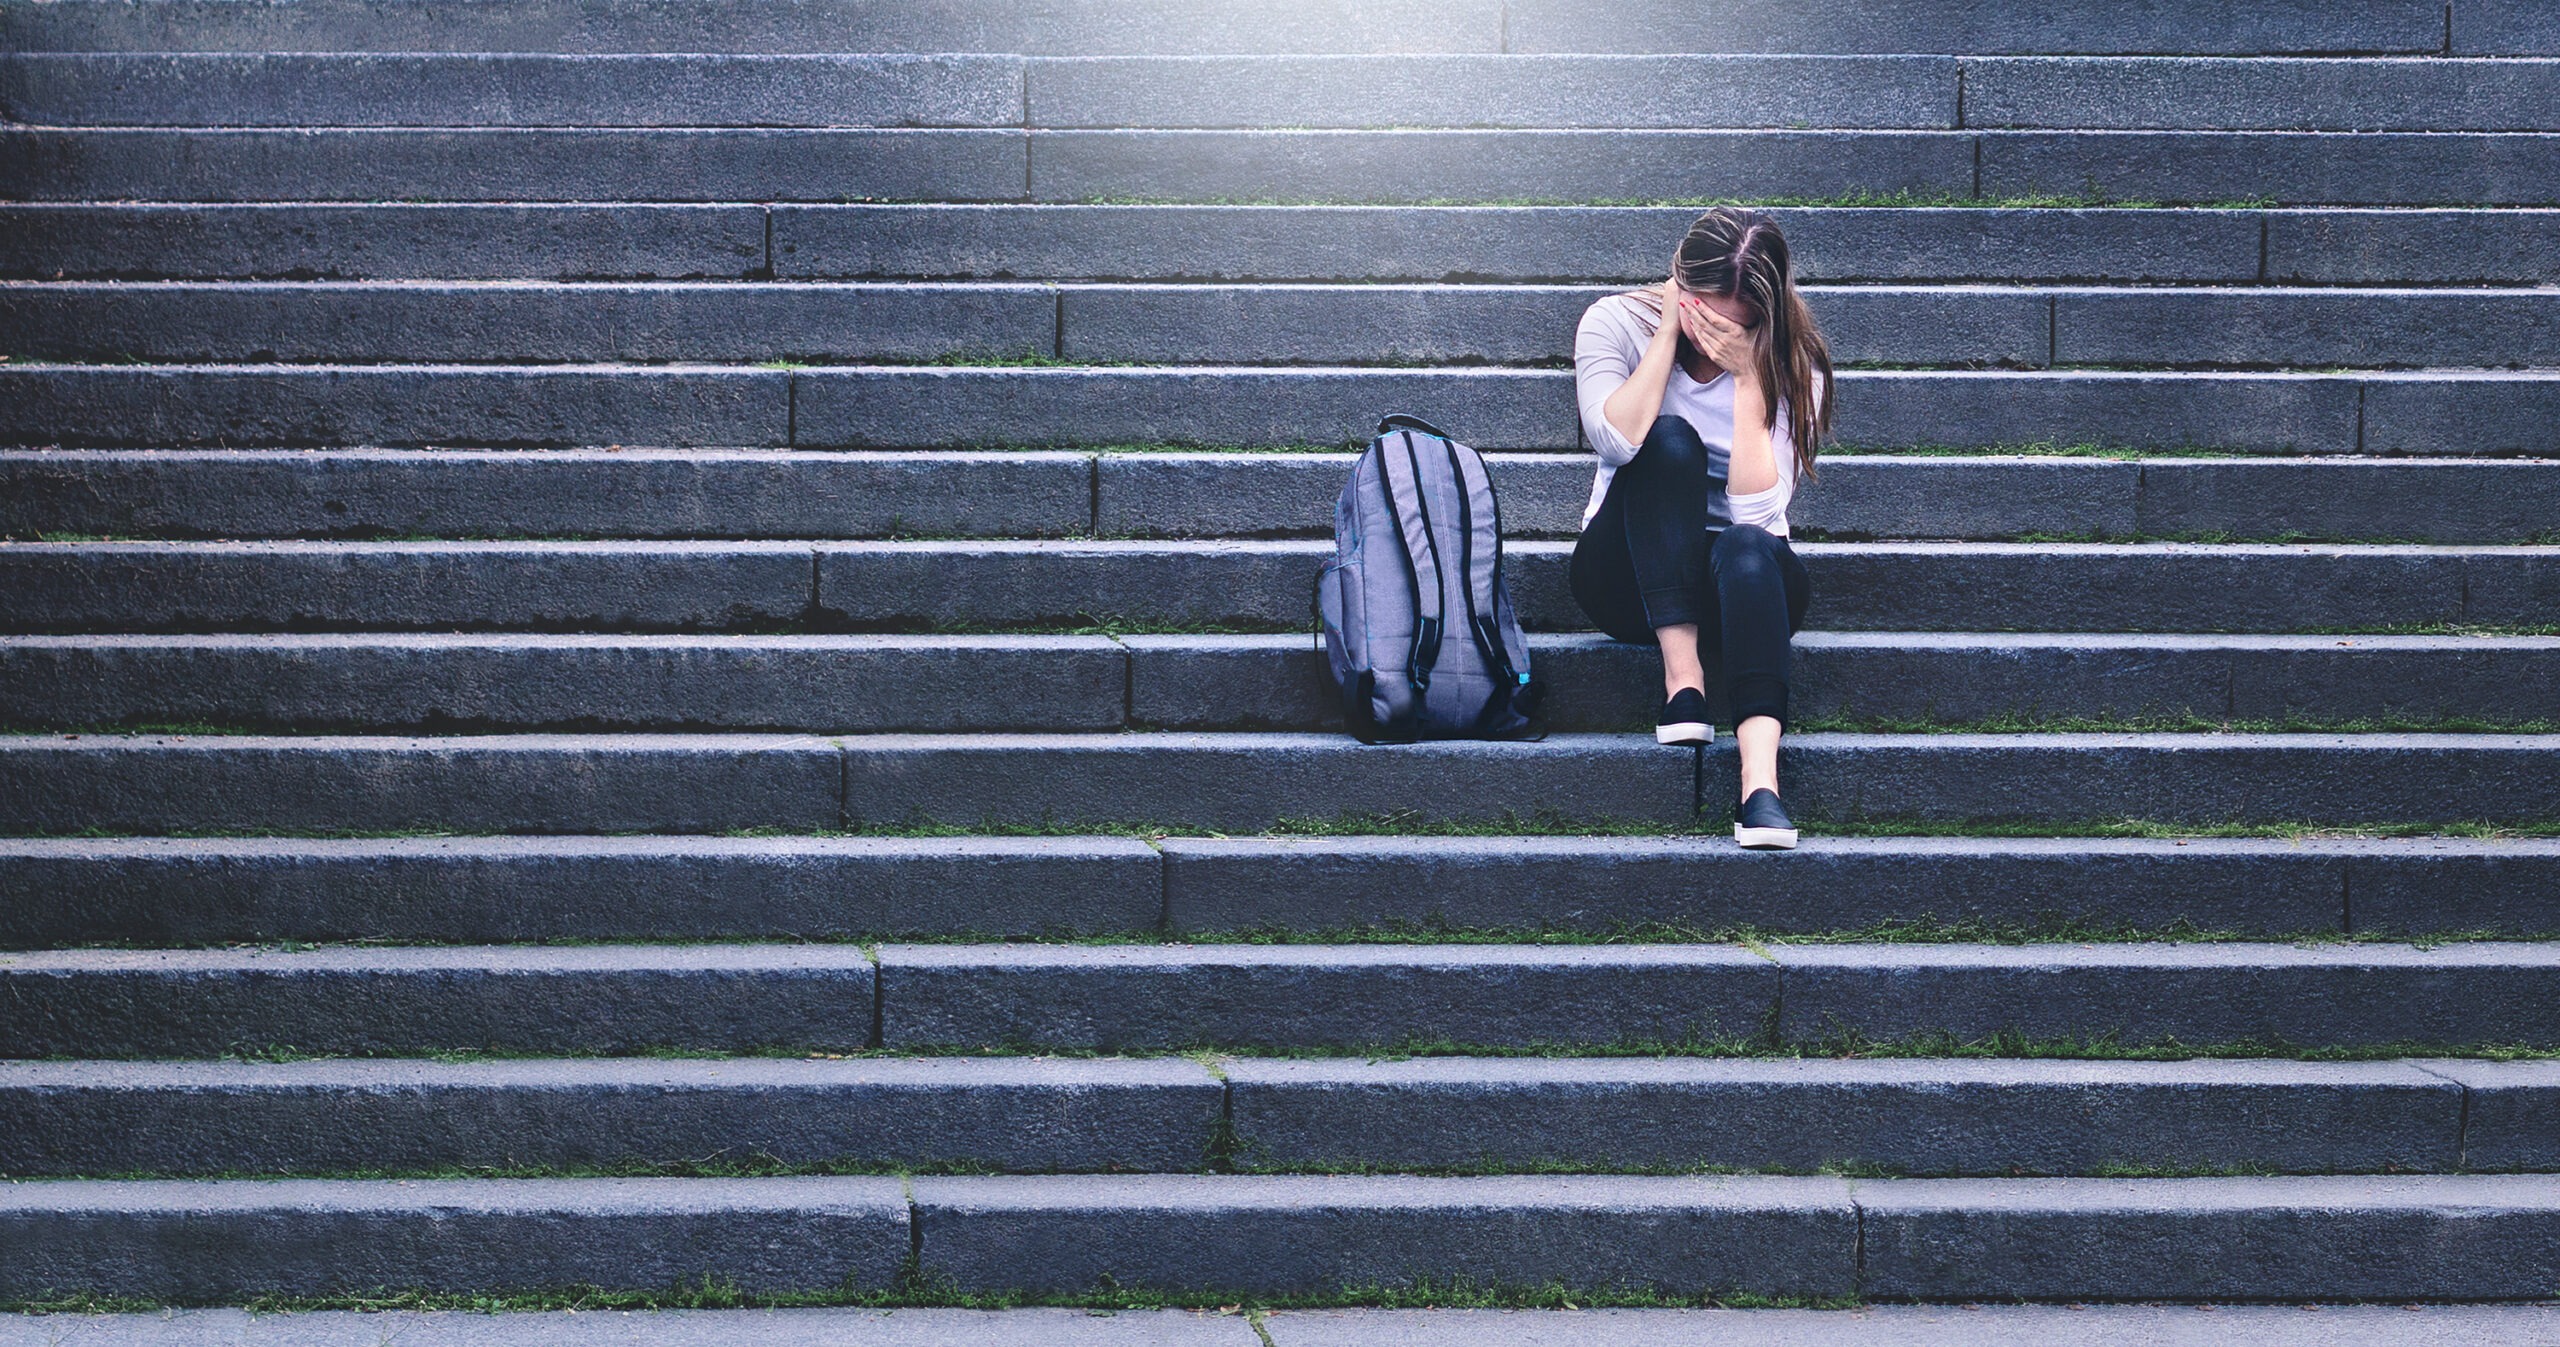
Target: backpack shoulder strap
pixel 1484 563
pixel 1400 463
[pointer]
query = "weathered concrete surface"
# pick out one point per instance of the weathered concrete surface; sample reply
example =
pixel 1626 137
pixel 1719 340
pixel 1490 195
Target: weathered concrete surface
pixel 291 406
pixel 1870 1326
pixel 2360 94
pixel 192 1118
pixel 511 89
pixel 1249 782
pixel 493 890
pixel 1950 1117
pixel 1313 1234
pixel 819 684
pixel 1598 885
pixel 2440 246
pixel 138 240
pixel 1098 27
pixel 2291 26
pixel 524 322
pixel 1543 243
pixel 2509 1110
pixel 413 1001
pixel 701 494
pixel 483 784
pixel 2447 1237
pixel 2468 993
pixel 510 164
pixel 285 586
pixel 1415 89
pixel 1490 166
pixel 2430 168
pixel 232 1241
pixel 1967 1325
pixel 1113 997
pixel 780 493
pixel 936 684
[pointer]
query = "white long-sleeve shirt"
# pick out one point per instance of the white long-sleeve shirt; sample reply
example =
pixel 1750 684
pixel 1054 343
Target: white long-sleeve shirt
pixel 1607 346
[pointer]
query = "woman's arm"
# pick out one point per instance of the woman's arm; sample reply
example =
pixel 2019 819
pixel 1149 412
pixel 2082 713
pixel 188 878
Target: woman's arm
pixel 1611 354
pixel 1632 409
pixel 1754 464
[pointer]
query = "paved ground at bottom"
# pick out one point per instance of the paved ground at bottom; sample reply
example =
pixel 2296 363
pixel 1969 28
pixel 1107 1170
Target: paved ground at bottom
pixel 2524 1325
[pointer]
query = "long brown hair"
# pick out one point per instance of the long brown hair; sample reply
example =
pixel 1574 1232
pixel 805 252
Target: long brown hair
pixel 1740 254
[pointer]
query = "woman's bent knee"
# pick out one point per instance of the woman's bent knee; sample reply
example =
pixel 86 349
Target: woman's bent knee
pixel 1746 540
pixel 1744 550
pixel 1672 446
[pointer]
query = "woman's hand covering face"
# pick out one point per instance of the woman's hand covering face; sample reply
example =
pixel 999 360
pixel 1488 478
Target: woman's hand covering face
pixel 1720 339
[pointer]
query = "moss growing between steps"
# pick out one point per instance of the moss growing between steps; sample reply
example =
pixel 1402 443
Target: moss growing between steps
pixel 2189 723
pixel 1239 1158
pixel 1506 825
pixel 1900 198
pixel 924 1291
pixel 1763 1046
pixel 2037 449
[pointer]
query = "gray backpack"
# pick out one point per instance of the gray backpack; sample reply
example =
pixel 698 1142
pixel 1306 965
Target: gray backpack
pixel 1417 623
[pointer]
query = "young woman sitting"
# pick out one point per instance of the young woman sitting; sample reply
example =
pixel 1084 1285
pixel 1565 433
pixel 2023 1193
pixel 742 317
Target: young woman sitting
pixel 1705 399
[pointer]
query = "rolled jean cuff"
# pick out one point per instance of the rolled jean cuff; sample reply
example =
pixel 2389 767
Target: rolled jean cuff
pixel 1669 608
pixel 1759 695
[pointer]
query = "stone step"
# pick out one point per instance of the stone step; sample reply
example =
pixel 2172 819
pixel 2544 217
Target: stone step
pixel 302 89
pixel 1076 27
pixel 868 684
pixel 1225 885
pixel 1556 244
pixel 1003 1114
pixel 1235 782
pixel 1166 1115
pixel 2291 27
pixel 1855 497
pixel 1157 27
pixel 2261 94
pixel 1873 1325
pixel 1623 244
pixel 504 323
pixel 612 999
pixel 1530 91
pixel 468 890
pixel 2430 93
pixel 2447 1237
pixel 1913 1116
pixel 1306 996
pixel 1238 781
pixel 1968 1238
pixel 888 587
pixel 1409 90
pixel 629 999
pixel 724 493
pixel 1920 1325
pixel 224 1242
pixel 964 165
pixel 2492 413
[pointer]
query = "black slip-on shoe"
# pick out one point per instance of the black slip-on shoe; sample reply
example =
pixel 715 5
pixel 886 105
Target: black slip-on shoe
pixel 1684 720
pixel 1760 823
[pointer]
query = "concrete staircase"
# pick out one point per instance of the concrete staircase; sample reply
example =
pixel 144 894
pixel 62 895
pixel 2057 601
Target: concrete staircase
pixel 641 655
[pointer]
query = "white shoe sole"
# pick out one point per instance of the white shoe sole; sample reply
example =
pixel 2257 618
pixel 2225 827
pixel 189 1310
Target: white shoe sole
pixel 1765 839
pixel 1685 732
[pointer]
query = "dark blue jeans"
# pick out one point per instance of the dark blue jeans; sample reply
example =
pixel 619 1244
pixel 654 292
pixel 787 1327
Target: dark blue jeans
pixel 1650 559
